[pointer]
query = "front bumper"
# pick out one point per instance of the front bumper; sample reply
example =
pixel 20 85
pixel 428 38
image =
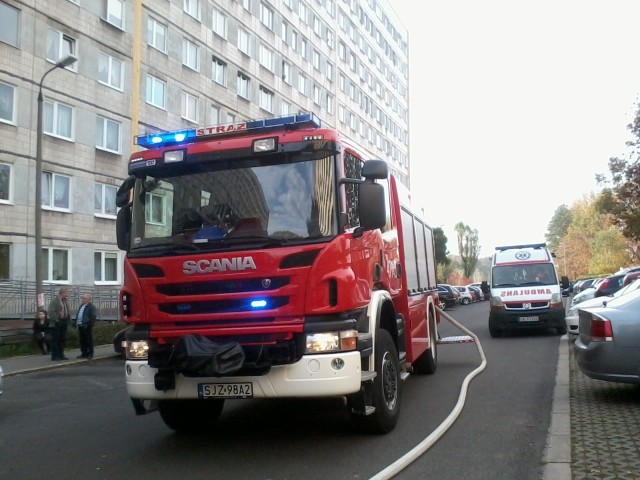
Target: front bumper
pixel 311 376
pixel 508 320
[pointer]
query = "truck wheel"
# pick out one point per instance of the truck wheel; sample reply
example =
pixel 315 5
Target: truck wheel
pixel 190 416
pixel 428 361
pixel 385 389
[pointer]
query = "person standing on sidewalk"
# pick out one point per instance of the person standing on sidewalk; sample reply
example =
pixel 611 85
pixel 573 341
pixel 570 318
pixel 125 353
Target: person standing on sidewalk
pixel 59 317
pixel 85 319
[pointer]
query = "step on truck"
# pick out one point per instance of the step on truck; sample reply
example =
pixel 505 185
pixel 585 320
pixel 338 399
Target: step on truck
pixel 525 290
pixel 268 259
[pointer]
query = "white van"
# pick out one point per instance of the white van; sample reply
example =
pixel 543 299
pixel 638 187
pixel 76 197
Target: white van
pixel 525 291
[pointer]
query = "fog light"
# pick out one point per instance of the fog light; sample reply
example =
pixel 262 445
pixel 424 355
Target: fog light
pixel 337 364
pixel 137 349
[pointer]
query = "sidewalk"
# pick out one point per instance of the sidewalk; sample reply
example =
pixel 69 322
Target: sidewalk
pixel 29 363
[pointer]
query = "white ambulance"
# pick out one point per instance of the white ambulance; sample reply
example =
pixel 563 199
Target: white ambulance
pixel 525 290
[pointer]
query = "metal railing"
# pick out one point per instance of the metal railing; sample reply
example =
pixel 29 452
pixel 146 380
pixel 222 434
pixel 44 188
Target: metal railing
pixel 18 299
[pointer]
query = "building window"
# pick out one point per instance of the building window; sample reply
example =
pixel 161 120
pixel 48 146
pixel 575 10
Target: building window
pixel 266 99
pixel 215 115
pixel 110 71
pixel 286 72
pixel 189 107
pixel 7 103
pixel 5 253
pixel 5 183
pixel 155 91
pixel 104 200
pixel 316 60
pixel 190 55
pixel 266 58
pixel 154 210
pixel 55 191
pixel 57 263
pixel 243 41
pixel 285 108
pixel 266 16
pixel 242 87
pixel 316 94
pixel 9 24
pixel 115 13
pixel 330 108
pixel 105 267
pixel 283 32
pixel 219 23
pixel 192 7
pixel 246 4
pixel 302 83
pixel 58 119
pixel 59 46
pixel 157 35
pixel 302 11
pixel 329 71
pixel 107 135
pixel 294 39
pixel 303 48
pixel 218 70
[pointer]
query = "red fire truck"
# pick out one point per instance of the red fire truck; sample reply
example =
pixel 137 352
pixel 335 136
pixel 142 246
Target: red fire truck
pixel 267 259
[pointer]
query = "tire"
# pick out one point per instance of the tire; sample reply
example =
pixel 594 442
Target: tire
pixel 562 330
pixel 466 301
pixel 427 363
pixel 494 332
pixel 385 389
pixel 191 416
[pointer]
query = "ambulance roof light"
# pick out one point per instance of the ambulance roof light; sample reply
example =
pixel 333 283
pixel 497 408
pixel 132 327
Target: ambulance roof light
pixel 180 136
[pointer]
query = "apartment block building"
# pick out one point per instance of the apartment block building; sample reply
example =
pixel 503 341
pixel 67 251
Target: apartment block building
pixel 150 65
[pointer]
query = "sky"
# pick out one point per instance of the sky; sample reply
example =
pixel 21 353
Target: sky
pixel 514 107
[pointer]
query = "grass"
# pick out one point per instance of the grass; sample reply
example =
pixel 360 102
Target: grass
pixel 103 333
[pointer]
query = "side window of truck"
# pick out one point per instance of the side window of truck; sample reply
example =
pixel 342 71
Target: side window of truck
pixel 352 169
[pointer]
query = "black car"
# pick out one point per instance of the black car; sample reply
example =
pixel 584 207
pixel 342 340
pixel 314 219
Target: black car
pixel 448 295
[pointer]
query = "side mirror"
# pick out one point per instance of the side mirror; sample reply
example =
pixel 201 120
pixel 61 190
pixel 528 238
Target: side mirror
pixel 371 206
pixel 123 228
pixel 565 282
pixel 123 195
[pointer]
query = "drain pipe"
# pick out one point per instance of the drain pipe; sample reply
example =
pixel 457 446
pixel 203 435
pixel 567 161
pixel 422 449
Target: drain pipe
pixel 428 442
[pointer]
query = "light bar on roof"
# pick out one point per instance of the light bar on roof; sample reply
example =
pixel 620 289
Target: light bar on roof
pixel 162 139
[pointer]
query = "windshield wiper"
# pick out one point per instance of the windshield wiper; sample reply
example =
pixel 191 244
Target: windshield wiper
pixel 505 285
pixel 266 241
pixel 176 247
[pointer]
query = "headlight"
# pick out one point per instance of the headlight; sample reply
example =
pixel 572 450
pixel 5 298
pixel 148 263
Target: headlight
pixel 556 298
pixel 496 302
pixel 331 341
pixel 136 349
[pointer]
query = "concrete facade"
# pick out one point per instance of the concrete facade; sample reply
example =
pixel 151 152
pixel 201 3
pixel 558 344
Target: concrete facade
pixel 344 60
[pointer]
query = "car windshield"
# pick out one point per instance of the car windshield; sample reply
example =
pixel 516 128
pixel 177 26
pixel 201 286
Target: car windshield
pixel 524 275
pixel 293 201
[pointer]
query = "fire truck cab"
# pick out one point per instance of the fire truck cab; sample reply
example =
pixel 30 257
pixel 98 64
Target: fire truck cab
pixel 267 259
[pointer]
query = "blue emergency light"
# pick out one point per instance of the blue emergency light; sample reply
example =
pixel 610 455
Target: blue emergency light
pixel 261 303
pixel 162 139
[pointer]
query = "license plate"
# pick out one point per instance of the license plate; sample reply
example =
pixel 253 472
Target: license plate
pixel 225 390
pixel 529 319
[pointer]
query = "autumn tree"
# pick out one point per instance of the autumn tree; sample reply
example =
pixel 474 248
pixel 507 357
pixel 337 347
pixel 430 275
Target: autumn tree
pixel 609 252
pixel 468 247
pixel 621 200
pixel 443 262
pixel 558 227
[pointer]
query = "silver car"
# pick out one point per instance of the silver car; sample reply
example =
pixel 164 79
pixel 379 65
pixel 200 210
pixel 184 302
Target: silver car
pixel 608 343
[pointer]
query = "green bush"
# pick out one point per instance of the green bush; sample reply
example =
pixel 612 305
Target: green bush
pixel 103 333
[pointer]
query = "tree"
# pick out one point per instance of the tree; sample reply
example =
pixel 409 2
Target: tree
pixel 609 252
pixel 468 247
pixel 622 200
pixel 442 255
pixel 558 227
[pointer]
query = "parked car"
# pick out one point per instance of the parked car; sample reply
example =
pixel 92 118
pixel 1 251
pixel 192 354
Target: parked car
pixel 449 296
pixel 608 343
pixel 610 285
pixel 582 285
pixel 466 297
pixel 477 291
pixel 118 338
pixel 572 314
pixel 630 277
pixel 586 293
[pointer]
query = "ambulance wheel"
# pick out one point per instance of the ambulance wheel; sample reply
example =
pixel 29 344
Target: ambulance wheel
pixel 428 361
pixel 385 391
pixel 494 332
pixel 190 416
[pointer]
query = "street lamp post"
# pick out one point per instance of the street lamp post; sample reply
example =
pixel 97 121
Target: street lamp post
pixel 62 63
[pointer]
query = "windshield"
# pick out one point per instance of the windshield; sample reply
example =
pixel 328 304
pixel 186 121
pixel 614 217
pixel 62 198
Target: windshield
pixel 277 203
pixel 524 275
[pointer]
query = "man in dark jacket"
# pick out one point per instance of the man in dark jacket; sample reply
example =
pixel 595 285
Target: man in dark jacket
pixel 59 317
pixel 85 318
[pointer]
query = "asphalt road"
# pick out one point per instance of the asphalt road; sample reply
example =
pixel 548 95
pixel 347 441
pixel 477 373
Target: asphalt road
pixel 77 423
